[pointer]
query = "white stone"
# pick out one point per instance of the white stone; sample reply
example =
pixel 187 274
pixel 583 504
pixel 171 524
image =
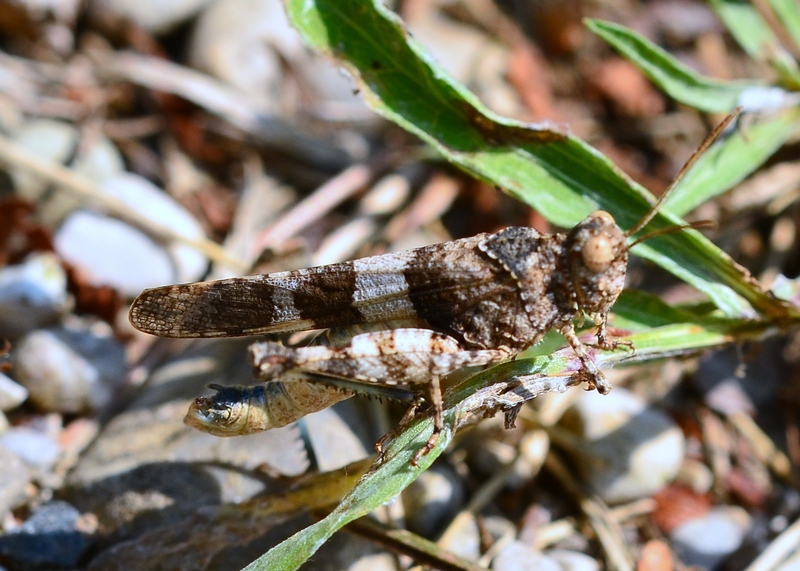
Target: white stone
pixel 114 253
pixel 242 42
pixel 32 294
pixel 34 448
pixel 707 540
pixel 11 394
pixel 635 449
pixel 518 556
pixel 573 560
pixel 68 370
pixel 156 16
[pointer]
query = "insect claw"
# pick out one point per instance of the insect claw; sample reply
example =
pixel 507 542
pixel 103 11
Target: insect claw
pixel 429 445
pixel 510 420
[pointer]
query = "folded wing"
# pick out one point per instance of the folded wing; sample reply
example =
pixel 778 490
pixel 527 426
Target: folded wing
pixel 434 283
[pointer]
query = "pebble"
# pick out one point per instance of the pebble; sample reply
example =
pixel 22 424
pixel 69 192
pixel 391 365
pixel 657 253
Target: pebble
pixel 707 540
pixel 338 435
pixel 342 553
pixel 112 253
pixel 464 537
pixel 11 394
pixel 469 56
pixel 636 449
pixel 155 16
pixel 790 564
pixel 149 201
pixel 684 22
pixel 69 369
pixel 32 294
pixel 14 479
pixel 38 450
pixel 730 387
pixel 247 43
pixel 57 141
pixel 242 42
pixel 116 254
pixel 573 560
pixel 518 556
pixel 433 499
pixel 50 538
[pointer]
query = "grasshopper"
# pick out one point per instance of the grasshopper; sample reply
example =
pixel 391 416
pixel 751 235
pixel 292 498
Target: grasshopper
pixel 476 301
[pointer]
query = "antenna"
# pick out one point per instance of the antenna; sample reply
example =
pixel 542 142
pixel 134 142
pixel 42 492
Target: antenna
pixel 707 142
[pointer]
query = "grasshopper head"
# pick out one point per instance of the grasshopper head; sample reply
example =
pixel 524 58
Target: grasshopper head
pixel 597 253
pixel 225 413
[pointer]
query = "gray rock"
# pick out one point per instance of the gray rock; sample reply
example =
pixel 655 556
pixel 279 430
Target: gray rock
pixel 32 295
pixel 433 499
pixel 14 479
pixel 707 540
pixel 338 436
pixel 217 539
pixel 11 394
pixel 49 538
pixel 463 536
pixel 637 449
pixel 518 556
pixel 36 449
pixel 69 369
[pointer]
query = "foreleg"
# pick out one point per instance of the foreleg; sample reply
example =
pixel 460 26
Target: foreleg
pixel 400 356
pixel 594 376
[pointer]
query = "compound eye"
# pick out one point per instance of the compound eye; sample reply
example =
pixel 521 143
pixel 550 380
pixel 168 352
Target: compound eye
pixel 597 253
pixel 603 216
pixel 222 413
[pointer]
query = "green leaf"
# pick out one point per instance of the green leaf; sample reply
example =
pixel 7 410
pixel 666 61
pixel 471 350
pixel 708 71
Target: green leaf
pixel 562 177
pixel 757 38
pixel 788 12
pixel 676 79
pixel 740 152
pixel 637 310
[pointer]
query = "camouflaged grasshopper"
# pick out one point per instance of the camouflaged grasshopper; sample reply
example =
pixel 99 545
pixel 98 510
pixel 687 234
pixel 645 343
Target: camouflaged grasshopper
pixel 476 301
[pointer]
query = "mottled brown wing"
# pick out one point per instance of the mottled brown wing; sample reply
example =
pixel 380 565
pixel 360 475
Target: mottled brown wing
pixel 433 283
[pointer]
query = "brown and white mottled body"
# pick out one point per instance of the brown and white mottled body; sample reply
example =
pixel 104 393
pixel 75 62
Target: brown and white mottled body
pixel 397 357
pixel 491 291
pixel 487 297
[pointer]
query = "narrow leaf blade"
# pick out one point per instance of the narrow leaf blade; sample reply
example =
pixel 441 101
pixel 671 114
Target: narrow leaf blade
pixel 676 79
